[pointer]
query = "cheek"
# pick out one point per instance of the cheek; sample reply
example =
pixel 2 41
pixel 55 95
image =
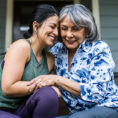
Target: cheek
pixel 80 34
pixel 63 33
pixel 83 33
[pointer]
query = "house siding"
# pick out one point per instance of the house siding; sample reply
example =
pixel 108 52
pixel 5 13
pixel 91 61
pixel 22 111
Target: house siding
pixel 109 26
pixel 2 24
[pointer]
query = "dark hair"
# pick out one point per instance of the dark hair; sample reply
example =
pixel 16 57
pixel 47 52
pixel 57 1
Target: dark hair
pixel 40 14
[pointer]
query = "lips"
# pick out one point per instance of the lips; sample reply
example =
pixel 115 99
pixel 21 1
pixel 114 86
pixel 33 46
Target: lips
pixel 52 38
pixel 71 42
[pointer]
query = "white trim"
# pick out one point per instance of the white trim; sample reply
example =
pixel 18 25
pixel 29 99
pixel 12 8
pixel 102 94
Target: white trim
pixel 76 1
pixel 96 12
pixel 9 25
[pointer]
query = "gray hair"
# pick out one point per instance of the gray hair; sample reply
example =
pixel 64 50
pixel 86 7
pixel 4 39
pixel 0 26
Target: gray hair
pixel 81 17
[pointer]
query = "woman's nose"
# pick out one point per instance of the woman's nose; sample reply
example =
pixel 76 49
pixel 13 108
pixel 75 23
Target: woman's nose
pixel 69 34
pixel 56 32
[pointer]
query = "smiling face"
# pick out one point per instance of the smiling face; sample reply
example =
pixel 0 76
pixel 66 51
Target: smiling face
pixel 71 34
pixel 48 31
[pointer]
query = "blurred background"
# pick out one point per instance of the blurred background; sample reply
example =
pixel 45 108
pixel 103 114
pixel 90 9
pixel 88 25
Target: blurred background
pixel 15 16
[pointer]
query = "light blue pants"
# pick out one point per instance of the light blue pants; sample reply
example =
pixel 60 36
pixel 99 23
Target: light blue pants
pixel 96 112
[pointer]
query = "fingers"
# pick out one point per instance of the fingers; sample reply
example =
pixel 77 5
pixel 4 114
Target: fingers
pixel 42 83
pixel 35 84
pixel 31 82
pixel 39 82
pixel 45 80
pixel 31 88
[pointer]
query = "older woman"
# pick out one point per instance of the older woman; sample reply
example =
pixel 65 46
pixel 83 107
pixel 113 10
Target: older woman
pixel 84 67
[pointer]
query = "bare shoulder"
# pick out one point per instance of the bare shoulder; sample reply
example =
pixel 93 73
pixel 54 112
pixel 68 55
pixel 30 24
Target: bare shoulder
pixel 19 47
pixel 20 43
pixel 50 61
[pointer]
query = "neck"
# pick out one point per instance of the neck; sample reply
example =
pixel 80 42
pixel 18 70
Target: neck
pixel 72 51
pixel 37 46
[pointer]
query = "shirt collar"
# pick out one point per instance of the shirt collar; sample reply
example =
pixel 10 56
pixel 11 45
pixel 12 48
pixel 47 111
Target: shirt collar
pixel 85 46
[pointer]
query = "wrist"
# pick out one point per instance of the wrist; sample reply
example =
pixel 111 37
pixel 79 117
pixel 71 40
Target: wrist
pixel 57 80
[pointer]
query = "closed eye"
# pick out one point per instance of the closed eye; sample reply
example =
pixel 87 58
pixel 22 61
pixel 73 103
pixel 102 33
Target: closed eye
pixel 75 28
pixel 53 26
pixel 63 28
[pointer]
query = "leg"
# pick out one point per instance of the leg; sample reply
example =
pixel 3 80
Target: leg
pixel 4 114
pixel 42 104
pixel 96 112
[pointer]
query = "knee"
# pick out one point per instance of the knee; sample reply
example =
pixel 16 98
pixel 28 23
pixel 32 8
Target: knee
pixel 46 103
pixel 46 94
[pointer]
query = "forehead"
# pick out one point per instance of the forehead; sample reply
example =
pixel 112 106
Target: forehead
pixel 52 19
pixel 67 21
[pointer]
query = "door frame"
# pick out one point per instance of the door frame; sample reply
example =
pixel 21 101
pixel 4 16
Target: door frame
pixel 9 23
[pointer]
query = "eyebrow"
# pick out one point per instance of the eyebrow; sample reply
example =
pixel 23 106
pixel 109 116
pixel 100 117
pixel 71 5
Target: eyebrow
pixel 66 25
pixel 62 25
pixel 53 24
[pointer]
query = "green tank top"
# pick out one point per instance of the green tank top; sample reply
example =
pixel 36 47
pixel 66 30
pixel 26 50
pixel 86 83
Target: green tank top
pixel 32 69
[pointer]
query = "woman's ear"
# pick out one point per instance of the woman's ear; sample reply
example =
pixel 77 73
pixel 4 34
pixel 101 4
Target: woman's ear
pixel 35 26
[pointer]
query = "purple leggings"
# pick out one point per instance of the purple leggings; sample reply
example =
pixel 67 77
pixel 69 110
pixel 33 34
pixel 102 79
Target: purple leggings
pixel 42 104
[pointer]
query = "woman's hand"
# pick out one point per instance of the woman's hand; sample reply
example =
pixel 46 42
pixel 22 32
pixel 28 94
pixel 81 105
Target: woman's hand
pixel 32 86
pixel 45 80
pixel 55 80
pixel 41 81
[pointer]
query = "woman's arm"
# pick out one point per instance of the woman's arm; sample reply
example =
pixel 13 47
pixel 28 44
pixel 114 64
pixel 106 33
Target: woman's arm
pixel 55 80
pixel 68 85
pixel 16 58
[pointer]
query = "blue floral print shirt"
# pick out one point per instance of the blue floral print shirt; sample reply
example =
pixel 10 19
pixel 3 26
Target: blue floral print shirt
pixel 92 67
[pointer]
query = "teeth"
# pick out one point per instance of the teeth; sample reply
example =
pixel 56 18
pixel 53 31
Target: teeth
pixel 52 37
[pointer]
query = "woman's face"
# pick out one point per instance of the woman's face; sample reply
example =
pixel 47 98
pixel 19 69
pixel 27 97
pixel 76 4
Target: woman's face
pixel 48 31
pixel 72 35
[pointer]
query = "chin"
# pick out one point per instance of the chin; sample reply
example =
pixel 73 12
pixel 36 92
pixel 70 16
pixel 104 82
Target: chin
pixel 50 44
pixel 71 47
